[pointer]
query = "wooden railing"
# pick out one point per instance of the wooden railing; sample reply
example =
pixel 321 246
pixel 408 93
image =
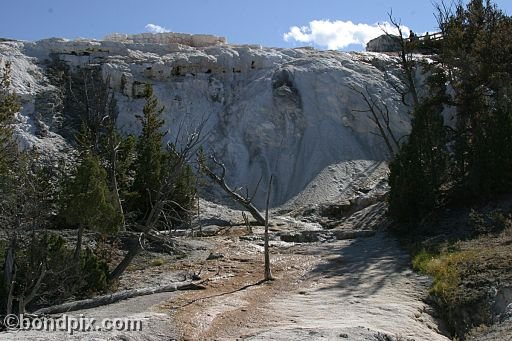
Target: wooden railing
pixel 427 37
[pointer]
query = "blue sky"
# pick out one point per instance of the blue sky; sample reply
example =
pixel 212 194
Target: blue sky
pixel 322 23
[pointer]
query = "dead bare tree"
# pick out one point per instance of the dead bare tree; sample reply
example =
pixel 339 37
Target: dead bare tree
pixel 404 86
pixel 94 99
pixel 380 115
pixel 9 273
pixel 407 63
pixel 246 201
pixel 112 145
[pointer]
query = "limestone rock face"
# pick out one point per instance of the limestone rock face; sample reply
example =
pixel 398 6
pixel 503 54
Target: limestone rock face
pixel 287 112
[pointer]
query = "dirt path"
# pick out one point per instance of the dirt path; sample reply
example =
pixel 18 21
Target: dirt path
pixel 340 289
pixel 360 289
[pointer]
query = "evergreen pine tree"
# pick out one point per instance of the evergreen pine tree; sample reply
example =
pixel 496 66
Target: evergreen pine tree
pixel 159 174
pixel 476 50
pixel 9 105
pixel 88 202
pixel 148 165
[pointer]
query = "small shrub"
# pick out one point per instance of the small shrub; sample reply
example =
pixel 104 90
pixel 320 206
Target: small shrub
pixel 158 262
pixel 491 222
pixel 444 269
pixel 95 272
pixel 421 259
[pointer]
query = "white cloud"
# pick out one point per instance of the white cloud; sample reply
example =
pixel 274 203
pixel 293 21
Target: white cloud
pixel 339 34
pixel 156 28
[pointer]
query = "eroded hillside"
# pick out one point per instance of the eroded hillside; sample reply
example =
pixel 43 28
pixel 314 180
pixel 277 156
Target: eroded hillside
pixel 287 112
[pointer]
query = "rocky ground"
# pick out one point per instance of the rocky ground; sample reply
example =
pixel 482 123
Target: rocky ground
pixel 338 275
pixel 356 289
pixel 329 284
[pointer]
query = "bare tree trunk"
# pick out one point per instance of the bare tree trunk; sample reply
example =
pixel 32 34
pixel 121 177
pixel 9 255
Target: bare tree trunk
pixel 247 223
pixel 10 296
pixel 24 301
pixel 199 216
pixel 9 275
pixel 134 250
pixel 268 272
pixel 407 61
pixel 245 202
pixel 115 188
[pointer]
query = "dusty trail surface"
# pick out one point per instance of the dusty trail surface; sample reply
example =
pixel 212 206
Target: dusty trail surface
pixel 355 289
pixel 358 289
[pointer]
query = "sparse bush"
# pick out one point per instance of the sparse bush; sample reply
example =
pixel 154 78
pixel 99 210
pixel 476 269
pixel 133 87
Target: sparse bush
pixel 158 262
pixel 492 222
pixel 444 268
pixel 46 276
pixel 95 272
pixel 464 275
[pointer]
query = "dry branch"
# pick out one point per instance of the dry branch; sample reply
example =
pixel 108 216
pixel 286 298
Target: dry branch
pixel 380 116
pixel 116 297
pixel 220 179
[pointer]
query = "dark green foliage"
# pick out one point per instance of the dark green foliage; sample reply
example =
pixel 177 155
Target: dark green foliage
pixel 27 204
pixel 126 157
pixel 489 170
pixel 9 105
pixel 110 172
pixel 87 199
pixel 31 197
pixel 44 257
pixel 159 174
pixel 475 61
pixel 419 169
pixel 95 272
pixel 182 196
pixel 150 157
pixel 477 49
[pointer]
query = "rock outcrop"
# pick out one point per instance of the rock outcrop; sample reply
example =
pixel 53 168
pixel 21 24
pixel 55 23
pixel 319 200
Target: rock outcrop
pixel 287 112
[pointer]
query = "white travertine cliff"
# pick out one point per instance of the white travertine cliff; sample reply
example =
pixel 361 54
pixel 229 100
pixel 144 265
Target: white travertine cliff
pixel 193 40
pixel 287 112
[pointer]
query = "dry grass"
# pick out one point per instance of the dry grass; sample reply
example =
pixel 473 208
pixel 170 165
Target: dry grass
pixel 444 269
pixel 158 261
pixel 464 273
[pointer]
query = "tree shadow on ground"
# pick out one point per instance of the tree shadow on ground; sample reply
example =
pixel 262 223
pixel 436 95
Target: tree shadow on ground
pixel 222 293
pixel 364 266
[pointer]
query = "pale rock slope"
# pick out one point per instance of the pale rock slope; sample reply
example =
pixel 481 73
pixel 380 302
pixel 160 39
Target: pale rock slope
pixel 286 112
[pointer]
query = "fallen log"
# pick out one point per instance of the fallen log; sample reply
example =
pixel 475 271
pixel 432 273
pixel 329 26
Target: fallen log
pixel 115 297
